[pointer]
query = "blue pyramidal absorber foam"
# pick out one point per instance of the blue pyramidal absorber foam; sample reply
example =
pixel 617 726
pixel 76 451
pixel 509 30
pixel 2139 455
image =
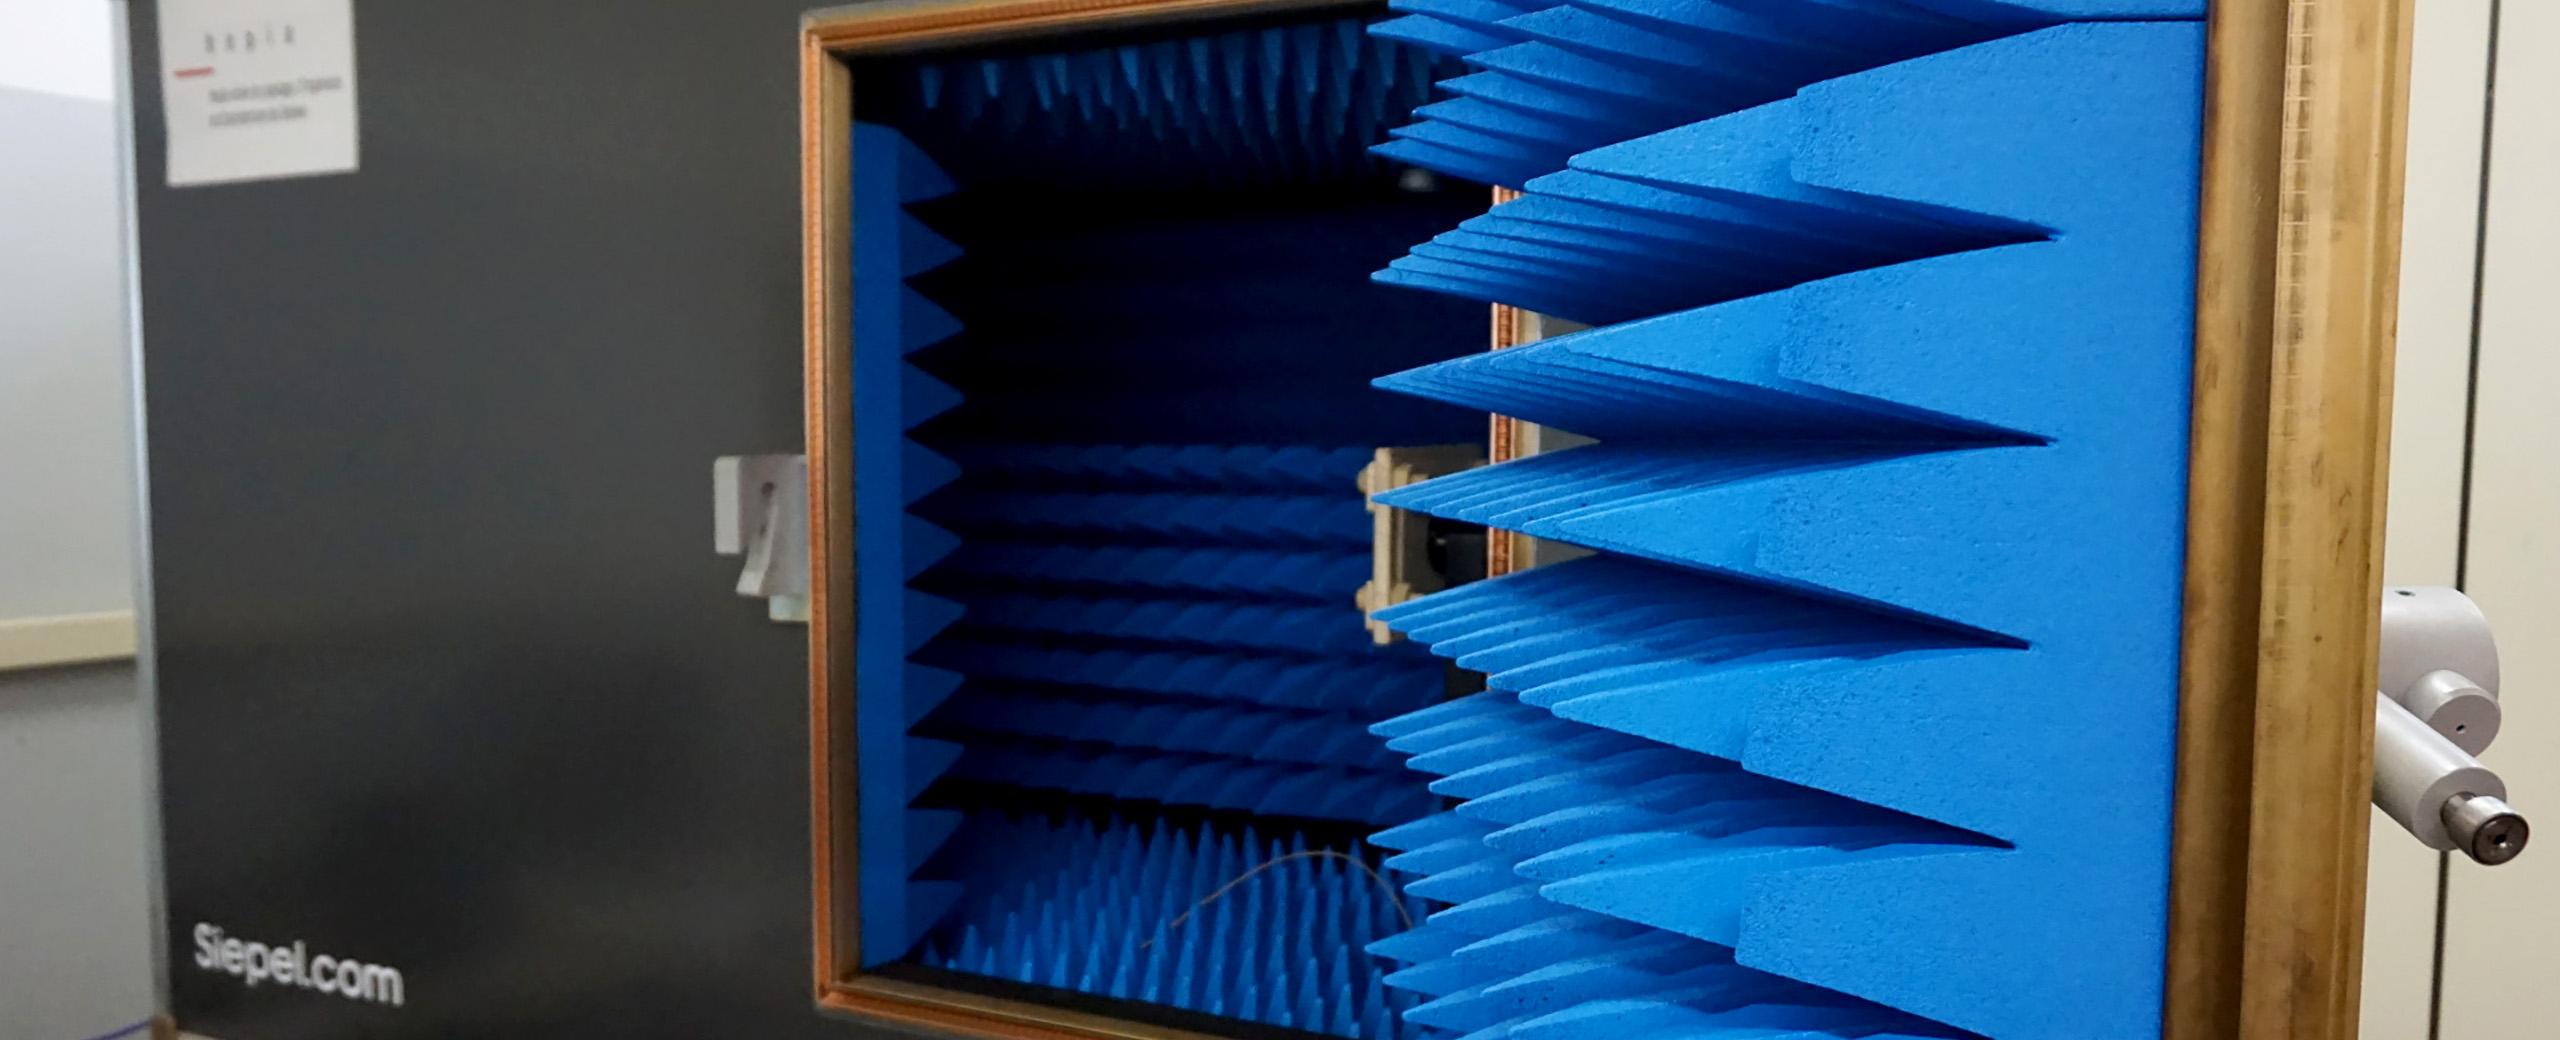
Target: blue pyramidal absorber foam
pixel 1698 214
pixel 1257 574
pixel 1243 624
pixel 1170 624
pixel 1180 517
pixel 892 321
pixel 1228 921
pixel 1254 107
pixel 1289 468
pixel 1375 685
pixel 1610 901
pixel 1897 541
pixel 1558 79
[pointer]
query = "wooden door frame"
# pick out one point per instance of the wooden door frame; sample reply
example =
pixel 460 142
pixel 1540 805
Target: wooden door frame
pixel 2296 297
pixel 2298 255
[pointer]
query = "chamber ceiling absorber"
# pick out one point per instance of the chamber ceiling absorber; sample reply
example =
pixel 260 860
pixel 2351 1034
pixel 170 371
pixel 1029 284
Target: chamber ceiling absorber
pixel 1112 345
pixel 1889 388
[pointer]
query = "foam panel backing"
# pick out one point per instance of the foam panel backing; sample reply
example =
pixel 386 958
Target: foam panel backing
pixel 1889 387
pixel 1207 917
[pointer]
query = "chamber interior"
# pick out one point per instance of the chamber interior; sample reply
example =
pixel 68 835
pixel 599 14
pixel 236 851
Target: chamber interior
pixel 1113 339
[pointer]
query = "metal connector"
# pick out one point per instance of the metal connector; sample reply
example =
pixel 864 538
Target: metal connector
pixel 2485 828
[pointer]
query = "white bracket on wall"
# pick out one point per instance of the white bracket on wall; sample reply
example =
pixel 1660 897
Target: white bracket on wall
pixel 2437 707
pixel 760 510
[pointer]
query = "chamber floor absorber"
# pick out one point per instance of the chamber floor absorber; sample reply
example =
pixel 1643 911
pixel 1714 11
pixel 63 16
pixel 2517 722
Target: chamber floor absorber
pixel 1889 550
pixel 1225 670
pixel 1209 918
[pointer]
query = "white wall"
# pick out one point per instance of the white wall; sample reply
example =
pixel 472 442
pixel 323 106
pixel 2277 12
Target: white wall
pixel 61 47
pixel 2475 498
pixel 2448 75
pixel 75 940
pixel 2502 926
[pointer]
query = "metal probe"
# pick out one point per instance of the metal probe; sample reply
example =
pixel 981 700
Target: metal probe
pixel 2485 827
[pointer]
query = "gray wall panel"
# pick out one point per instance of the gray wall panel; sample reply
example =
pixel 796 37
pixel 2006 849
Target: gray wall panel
pixel 74 910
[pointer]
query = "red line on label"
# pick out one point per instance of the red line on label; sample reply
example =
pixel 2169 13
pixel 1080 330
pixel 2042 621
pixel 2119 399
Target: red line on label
pixel 200 70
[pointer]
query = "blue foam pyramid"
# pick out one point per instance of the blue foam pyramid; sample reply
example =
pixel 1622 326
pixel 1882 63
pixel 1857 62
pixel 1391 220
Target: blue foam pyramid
pixel 1889 530
pixel 1236 921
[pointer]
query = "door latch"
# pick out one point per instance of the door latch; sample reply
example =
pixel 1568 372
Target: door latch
pixel 760 510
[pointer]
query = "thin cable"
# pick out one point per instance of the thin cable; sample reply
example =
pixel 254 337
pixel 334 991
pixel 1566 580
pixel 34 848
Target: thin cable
pixel 1395 898
pixel 122 1031
pixel 2470 432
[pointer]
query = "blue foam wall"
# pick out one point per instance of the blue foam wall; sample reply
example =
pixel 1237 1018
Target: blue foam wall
pixel 1889 523
pixel 890 322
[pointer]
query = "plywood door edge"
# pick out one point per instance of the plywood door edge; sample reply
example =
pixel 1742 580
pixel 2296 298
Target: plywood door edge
pixel 60 640
pixel 2226 495
pixel 922 1006
pixel 826 169
pixel 2296 294
pixel 2329 419
pixel 914 24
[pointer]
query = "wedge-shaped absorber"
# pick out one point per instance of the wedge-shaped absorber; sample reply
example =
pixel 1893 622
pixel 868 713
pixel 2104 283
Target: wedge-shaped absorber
pixel 1279 468
pixel 1239 624
pixel 1178 517
pixel 1215 920
pixel 1790 515
pixel 1977 344
pixel 1563 78
pixel 1324 576
pixel 1608 910
pixel 1377 685
pixel 1225 668
pixel 1707 212
pixel 1967 471
pixel 1440 35
pixel 1247 732
pixel 1374 797
pixel 1603 383
pixel 892 321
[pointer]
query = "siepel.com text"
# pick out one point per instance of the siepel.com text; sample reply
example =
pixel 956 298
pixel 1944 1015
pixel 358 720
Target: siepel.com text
pixel 290 964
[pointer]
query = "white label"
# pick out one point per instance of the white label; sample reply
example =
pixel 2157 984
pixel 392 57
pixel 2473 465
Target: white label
pixel 258 88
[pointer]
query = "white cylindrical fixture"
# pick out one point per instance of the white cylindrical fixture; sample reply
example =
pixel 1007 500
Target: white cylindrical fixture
pixel 2416 771
pixel 2426 628
pixel 2451 704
